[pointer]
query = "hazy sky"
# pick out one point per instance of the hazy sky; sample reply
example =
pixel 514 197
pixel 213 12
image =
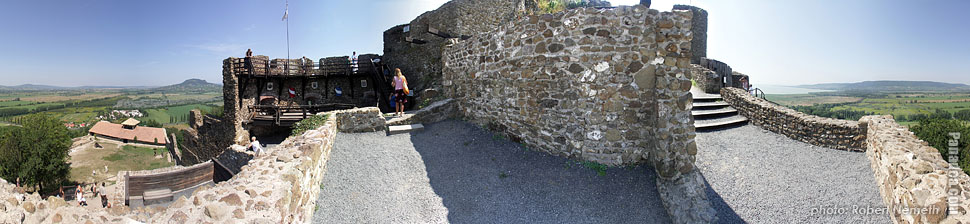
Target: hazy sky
pixel 74 43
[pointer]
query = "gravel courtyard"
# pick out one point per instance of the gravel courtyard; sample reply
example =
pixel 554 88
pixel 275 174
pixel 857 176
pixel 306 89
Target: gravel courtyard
pixel 758 176
pixel 457 172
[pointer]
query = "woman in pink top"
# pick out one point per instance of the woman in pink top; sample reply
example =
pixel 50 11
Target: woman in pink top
pixel 400 91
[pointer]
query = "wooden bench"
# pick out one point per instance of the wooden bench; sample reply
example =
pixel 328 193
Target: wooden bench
pixel 155 196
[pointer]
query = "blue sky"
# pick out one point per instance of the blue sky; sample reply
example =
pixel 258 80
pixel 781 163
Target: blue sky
pixel 74 43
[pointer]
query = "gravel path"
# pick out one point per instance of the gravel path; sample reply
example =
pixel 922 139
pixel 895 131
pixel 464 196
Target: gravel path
pixel 457 172
pixel 758 176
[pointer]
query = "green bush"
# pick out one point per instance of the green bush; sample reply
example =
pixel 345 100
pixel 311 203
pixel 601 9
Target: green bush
pixel 309 123
pixel 37 152
pixel 936 133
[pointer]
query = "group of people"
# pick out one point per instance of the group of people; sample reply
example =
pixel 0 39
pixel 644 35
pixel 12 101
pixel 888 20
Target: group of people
pixel 98 191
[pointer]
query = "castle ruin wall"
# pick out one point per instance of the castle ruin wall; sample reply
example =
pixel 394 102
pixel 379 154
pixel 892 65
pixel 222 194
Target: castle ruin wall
pixel 421 62
pixel 603 85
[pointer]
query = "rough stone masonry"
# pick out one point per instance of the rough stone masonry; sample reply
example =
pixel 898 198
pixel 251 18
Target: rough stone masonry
pixel 604 85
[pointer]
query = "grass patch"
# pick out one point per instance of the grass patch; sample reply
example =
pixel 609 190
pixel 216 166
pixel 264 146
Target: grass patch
pixel 503 175
pixel 309 123
pixel 128 152
pixel 599 168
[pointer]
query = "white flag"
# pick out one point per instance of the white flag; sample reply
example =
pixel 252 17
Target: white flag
pixel 286 12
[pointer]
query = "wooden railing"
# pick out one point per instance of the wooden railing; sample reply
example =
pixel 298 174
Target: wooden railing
pixel 263 66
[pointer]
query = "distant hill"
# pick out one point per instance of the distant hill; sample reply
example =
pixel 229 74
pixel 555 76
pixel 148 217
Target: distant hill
pixel 34 87
pixel 882 86
pixel 191 85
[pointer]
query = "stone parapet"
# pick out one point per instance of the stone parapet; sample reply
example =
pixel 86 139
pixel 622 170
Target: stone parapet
pixel 815 130
pixel 365 119
pixel 913 177
pixel 278 187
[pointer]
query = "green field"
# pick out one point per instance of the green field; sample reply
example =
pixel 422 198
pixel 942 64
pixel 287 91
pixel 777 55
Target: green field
pixel 900 105
pixel 177 112
pixel 85 105
pixel 808 99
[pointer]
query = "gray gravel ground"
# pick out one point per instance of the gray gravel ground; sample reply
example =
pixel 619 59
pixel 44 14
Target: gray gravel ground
pixel 456 172
pixel 758 176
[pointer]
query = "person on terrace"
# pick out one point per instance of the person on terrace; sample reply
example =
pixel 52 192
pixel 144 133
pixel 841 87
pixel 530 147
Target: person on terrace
pixel 400 91
pixel 255 146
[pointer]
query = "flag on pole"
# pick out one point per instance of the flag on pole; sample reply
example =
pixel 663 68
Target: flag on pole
pixel 292 92
pixel 286 12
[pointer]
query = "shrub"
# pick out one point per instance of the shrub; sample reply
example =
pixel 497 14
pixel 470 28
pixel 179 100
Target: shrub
pixel 309 123
pixel 936 133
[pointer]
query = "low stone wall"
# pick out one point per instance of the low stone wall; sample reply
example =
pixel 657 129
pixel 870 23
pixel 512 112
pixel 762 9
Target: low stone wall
pixel 913 176
pixel 367 119
pixel 437 111
pixel 815 130
pixel 278 187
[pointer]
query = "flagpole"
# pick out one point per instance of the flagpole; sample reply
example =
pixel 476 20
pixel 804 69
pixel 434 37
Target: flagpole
pixel 286 17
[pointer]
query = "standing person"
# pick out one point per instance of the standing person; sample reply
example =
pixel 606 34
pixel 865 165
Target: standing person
pixel 255 146
pixel 353 62
pixel 104 196
pixel 400 91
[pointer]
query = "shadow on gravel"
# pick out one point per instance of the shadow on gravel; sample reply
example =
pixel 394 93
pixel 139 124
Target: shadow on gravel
pixel 484 178
pixel 725 214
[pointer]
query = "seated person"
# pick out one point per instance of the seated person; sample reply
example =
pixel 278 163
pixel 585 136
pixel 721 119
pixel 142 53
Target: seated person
pixel 255 146
pixel 80 196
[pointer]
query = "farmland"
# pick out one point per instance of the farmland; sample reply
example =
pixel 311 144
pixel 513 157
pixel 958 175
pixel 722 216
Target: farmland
pixel 906 107
pixel 167 105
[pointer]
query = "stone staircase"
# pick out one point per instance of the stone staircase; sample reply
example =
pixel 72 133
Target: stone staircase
pixel 401 124
pixel 710 111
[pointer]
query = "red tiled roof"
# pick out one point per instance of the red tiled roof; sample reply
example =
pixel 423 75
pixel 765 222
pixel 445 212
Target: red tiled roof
pixel 144 134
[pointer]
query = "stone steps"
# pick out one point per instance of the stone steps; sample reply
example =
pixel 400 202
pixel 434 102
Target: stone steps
pixel 708 97
pixel 398 129
pixel 710 111
pixel 725 110
pixel 710 104
pixel 720 122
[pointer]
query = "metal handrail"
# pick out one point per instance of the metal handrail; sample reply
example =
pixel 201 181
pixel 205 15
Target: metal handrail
pixel 758 93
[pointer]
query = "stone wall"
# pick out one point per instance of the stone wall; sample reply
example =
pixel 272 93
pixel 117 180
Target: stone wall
pixel 278 187
pixel 913 176
pixel 603 85
pixel 705 79
pixel 421 63
pixel 698 28
pixel 206 138
pixel 815 130
pixel 366 119
pixel 722 69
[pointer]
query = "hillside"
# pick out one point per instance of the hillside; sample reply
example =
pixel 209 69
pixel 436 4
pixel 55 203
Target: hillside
pixel 191 85
pixel 895 86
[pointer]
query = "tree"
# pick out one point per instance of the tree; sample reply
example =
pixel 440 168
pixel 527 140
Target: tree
pixel 936 133
pixel 963 115
pixel 151 123
pixel 941 114
pixel 36 153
